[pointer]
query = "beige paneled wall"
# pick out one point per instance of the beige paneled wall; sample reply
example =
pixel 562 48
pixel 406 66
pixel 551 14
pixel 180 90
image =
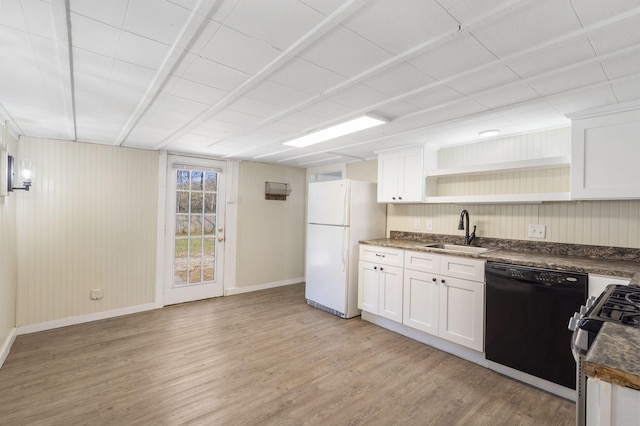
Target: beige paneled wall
pixel 366 171
pixel 8 259
pixel 89 222
pixel 271 242
pixel 609 223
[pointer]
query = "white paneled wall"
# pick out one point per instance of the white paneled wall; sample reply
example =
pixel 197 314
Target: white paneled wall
pixel 8 270
pixel 548 143
pixel 271 243
pixel 608 223
pixel 89 222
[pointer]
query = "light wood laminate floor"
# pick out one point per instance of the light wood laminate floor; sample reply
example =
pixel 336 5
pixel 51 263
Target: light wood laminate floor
pixel 263 358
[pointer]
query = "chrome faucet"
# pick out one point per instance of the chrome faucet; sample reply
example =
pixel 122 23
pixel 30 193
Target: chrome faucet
pixel 464 215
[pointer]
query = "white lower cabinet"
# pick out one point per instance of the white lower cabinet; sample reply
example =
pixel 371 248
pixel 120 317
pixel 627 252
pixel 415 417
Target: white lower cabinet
pixel 448 307
pixel 380 283
pixel 611 405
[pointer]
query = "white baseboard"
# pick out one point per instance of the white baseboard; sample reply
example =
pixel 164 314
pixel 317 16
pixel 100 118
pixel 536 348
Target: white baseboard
pixel 6 346
pixel 265 286
pixel 63 322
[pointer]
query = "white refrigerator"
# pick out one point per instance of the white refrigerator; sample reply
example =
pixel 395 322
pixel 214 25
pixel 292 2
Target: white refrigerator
pixel 339 214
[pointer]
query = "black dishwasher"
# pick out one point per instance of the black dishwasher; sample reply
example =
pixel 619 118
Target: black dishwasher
pixel 526 319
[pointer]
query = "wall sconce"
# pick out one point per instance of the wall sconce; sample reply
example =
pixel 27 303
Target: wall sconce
pixel 7 173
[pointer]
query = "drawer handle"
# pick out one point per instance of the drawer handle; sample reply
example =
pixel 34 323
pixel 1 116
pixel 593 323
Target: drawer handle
pixel 380 255
pixel 375 268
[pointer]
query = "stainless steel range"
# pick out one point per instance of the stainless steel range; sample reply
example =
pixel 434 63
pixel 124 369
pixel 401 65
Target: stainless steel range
pixel 619 304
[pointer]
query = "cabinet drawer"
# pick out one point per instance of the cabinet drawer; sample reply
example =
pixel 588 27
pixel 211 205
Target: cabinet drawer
pixel 423 262
pixel 462 267
pixel 382 255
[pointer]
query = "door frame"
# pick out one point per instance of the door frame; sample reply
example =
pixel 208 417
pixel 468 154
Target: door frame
pixel 230 220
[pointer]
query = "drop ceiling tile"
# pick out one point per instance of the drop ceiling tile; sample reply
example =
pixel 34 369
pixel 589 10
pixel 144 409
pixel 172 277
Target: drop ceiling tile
pixel 277 94
pixel 345 52
pixel 91 71
pixel 395 109
pixel 94 36
pixel 507 95
pixel 213 74
pixel 237 117
pixel 533 23
pixel 434 96
pixel 195 91
pixel 218 125
pixel 301 120
pixel 305 76
pixel 255 107
pixel 39 18
pixel 582 100
pixel 327 110
pixel 623 65
pixel 398 80
pixel 278 23
pixel 583 76
pixel 489 78
pixel 110 12
pixel 21 81
pixel 399 26
pixel 186 4
pixel 141 51
pixel 12 16
pixel 613 37
pixel 457 55
pixel 183 64
pixel 130 81
pixel 627 90
pixel 552 57
pixel 358 96
pixel 247 55
pixel 158 20
pixel 326 7
pixel 593 11
pixel 176 103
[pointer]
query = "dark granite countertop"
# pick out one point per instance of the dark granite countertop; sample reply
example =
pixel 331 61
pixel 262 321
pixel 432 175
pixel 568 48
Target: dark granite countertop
pixel 506 252
pixel 614 356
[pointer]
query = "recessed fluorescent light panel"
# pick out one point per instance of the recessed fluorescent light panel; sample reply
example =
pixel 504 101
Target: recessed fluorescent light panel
pixel 488 133
pixel 338 130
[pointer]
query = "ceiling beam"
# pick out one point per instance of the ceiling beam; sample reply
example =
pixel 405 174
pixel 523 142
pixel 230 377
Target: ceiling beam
pixel 190 30
pixel 334 19
pixel 62 29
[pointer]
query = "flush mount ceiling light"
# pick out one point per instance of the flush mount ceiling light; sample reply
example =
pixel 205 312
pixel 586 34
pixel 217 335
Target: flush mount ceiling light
pixel 333 132
pixel 488 133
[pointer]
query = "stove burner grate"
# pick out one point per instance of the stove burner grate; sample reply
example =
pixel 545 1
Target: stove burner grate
pixel 633 298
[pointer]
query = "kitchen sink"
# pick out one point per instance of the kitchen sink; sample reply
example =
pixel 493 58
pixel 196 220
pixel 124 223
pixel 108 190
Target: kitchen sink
pixel 460 248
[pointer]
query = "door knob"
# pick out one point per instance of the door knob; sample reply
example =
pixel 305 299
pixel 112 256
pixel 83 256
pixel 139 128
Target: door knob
pixel 220 239
pixel 220 229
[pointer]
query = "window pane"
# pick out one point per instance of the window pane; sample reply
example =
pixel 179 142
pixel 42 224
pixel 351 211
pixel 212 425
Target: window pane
pixel 195 248
pixel 210 202
pixel 182 225
pixel 209 247
pixel 196 225
pixel 180 273
pixel 196 181
pixel 182 202
pixel 195 268
pixel 182 245
pixel 208 271
pixel 182 179
pixel 209 224
pixel 210 181
pixel 196 202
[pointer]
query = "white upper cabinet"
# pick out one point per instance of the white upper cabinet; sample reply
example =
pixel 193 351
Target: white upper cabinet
pixel 604 158
pixel 400 176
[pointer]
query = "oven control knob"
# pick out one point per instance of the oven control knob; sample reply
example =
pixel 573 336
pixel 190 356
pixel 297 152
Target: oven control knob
pixel 573 321
pixel 591 301
pixel 583 309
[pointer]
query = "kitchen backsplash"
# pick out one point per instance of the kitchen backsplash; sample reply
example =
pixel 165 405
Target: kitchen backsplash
pixel 598 223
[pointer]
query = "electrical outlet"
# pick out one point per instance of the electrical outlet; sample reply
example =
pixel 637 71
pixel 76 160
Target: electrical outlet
pixel 416 224
pixel 537 231
pixel 96 294
pixel 429 225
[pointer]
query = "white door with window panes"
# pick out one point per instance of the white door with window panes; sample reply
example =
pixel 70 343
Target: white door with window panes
pixel 195 229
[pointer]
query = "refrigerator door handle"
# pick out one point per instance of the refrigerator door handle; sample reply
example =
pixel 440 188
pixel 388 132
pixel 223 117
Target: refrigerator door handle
pixel 345 210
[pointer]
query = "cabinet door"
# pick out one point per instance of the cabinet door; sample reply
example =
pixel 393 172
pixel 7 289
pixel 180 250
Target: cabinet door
pixel 421 301
pixel 368 277
pixel 388 177
pixel 462 312
pixel 411 178
pixel 390 293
